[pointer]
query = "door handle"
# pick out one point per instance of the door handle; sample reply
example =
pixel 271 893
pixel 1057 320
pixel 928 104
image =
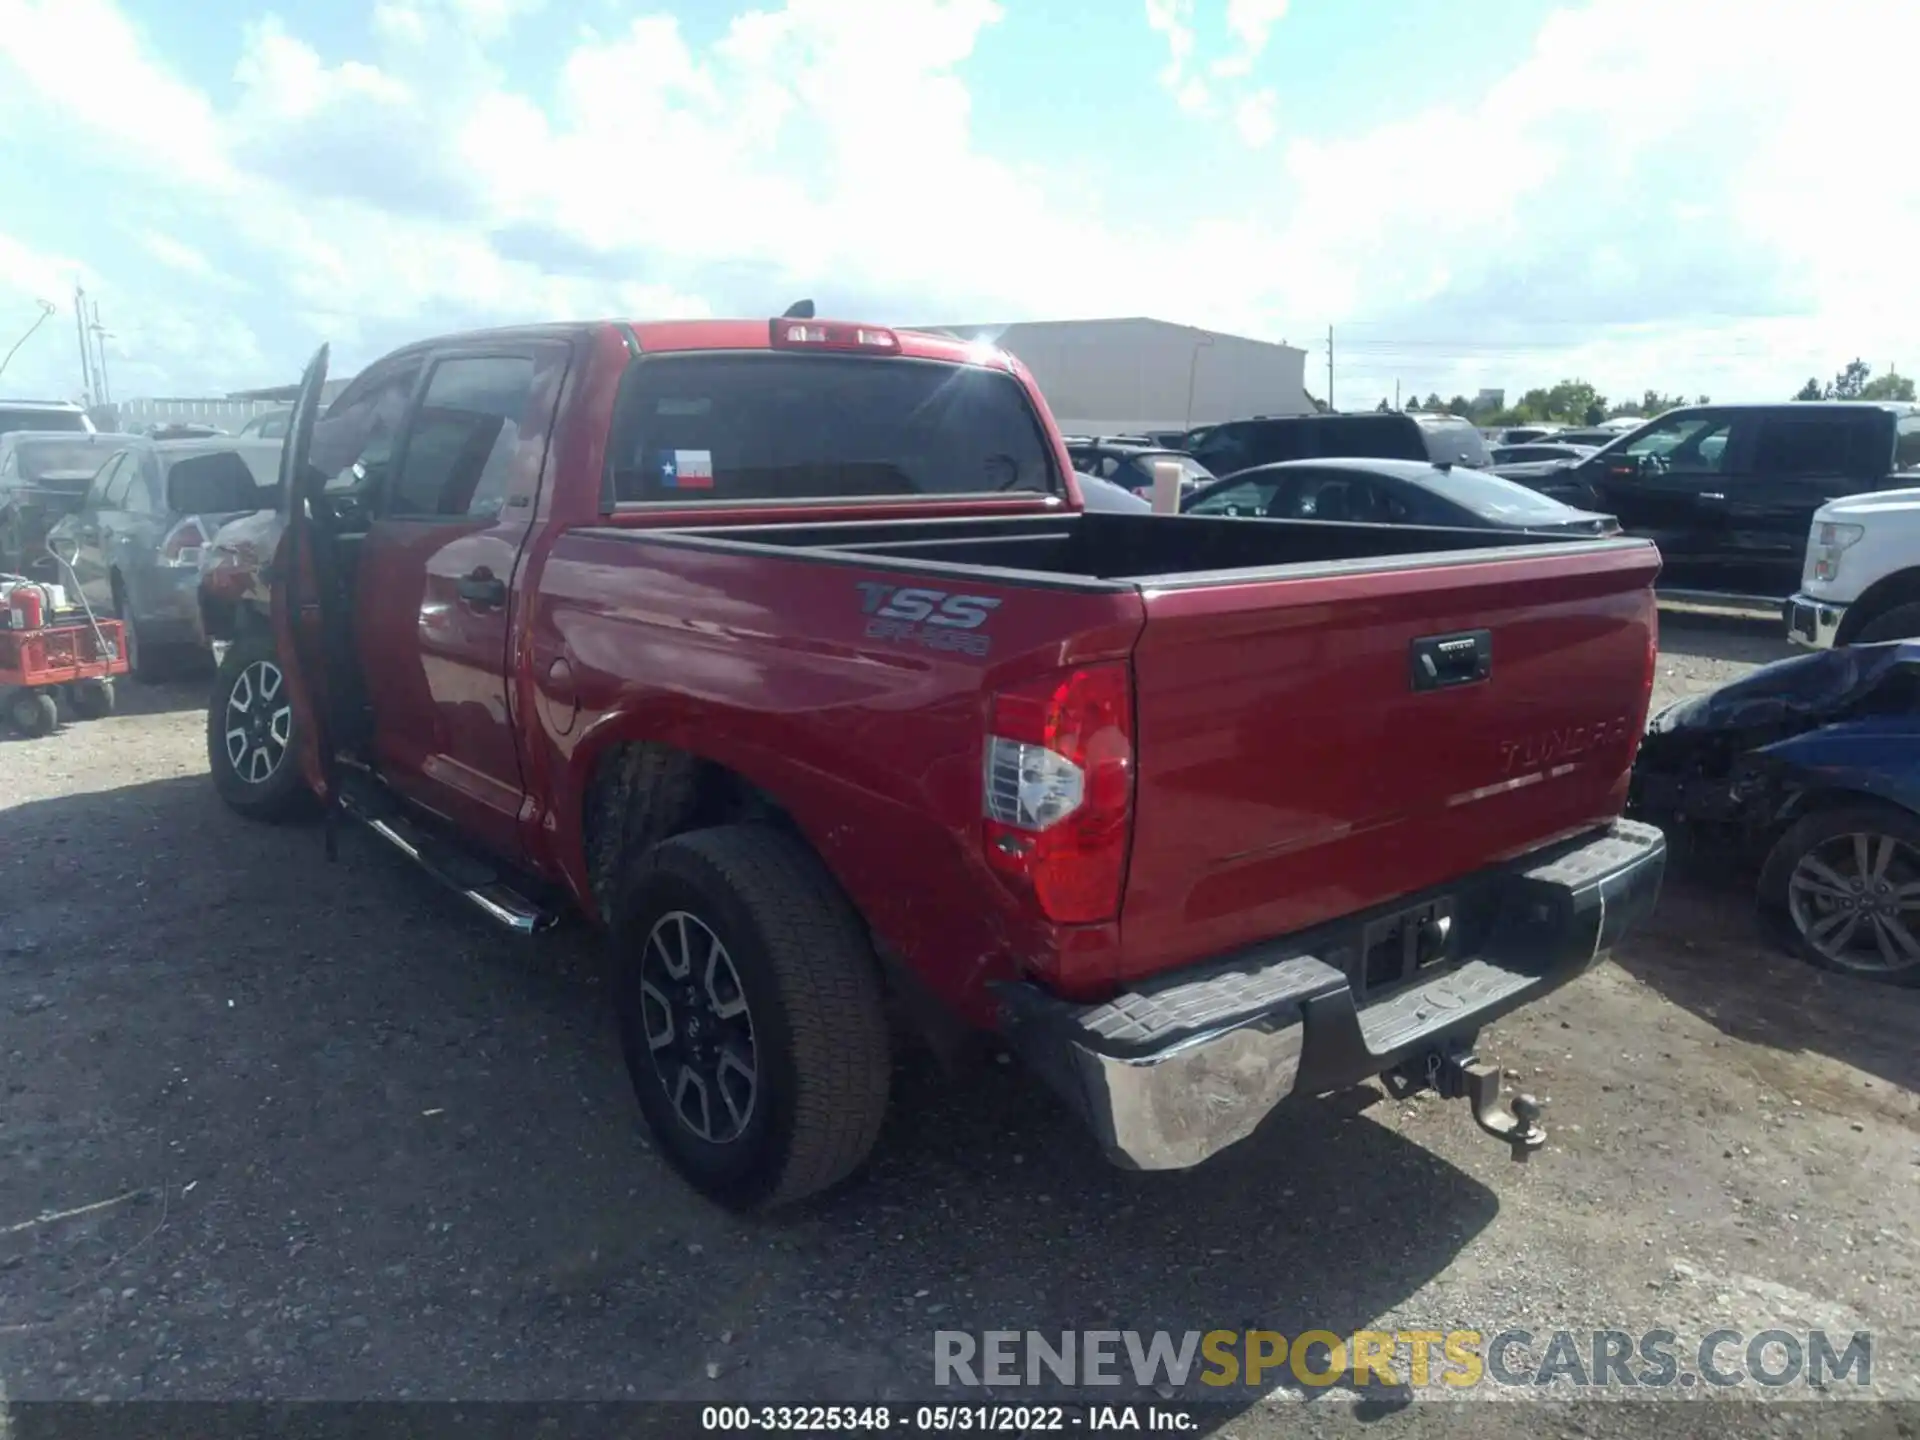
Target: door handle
pixel 1712 495
pixel 483 588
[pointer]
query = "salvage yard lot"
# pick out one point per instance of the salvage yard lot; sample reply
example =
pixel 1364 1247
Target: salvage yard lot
pixel 344 1141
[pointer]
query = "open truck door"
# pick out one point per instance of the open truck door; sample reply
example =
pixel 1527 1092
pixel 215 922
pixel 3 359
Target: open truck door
pixel 301 590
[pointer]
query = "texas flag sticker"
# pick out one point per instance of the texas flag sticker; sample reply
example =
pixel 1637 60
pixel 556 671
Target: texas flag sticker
pixel 687 470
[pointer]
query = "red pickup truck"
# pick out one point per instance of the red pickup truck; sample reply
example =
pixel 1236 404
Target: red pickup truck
pixel 783 650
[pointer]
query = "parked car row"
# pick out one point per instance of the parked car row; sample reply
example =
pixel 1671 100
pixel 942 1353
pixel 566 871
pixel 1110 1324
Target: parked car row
pixel 1730 492
pixel 130 516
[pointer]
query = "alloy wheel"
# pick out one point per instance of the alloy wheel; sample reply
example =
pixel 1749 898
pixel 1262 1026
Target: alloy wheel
pixel 699 1028
pixel 259 722
pixel 1856 899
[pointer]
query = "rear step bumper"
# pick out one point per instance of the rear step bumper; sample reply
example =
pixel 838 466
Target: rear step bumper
pixel 1176 1071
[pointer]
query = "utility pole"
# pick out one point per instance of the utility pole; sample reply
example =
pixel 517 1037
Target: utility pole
pixel 1396 387
pixel 86 351
pixel 1330 367
pixel 100 345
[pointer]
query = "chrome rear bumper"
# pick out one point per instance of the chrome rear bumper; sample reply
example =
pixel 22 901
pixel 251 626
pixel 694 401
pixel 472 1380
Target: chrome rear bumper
pixel 1176 1071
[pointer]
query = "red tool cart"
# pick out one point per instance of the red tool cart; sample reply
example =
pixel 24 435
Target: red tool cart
pixel 48 651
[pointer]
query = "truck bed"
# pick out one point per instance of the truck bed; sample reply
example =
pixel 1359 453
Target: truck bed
pixel 1291 763
pixel 1106 551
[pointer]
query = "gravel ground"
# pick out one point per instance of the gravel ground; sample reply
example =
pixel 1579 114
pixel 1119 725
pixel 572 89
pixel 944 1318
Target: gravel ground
pixel 271 1127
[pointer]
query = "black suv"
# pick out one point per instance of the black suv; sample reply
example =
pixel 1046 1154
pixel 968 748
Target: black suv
pixel 1728 491
pixel 1242 444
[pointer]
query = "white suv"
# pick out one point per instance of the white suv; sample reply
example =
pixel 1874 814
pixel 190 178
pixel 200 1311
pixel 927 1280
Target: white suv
pixel 1862 577
pixel 48 415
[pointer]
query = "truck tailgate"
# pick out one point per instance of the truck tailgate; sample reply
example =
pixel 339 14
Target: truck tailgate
pixel 1311 747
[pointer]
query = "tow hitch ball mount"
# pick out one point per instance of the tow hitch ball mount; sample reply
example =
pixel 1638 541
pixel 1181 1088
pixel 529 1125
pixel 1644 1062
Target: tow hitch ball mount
pixel 1457 1076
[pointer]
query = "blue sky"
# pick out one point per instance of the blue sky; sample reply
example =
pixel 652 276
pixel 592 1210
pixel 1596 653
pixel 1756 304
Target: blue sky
pixel 1508 193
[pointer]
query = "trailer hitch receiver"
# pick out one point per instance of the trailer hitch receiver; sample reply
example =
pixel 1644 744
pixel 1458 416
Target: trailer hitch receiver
pixel 1456 1076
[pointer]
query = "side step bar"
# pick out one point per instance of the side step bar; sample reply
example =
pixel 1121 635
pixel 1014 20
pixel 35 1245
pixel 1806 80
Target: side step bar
pixel 475 882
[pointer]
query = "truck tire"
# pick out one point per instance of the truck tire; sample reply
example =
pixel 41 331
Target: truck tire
pixel 750 1015
pixel 1832 887
pixel 1900 623
pixel 250 734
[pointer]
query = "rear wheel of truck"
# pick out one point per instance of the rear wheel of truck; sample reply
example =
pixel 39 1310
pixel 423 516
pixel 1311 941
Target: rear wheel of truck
pixel 1900 623
pixel 1843 886
pixel 250 739
pixel 750 1015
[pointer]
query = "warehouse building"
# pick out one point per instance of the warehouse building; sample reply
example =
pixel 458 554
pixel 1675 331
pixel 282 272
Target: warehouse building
pixel 1103 377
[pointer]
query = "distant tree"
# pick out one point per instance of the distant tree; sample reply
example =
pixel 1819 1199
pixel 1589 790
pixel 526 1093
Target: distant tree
pixel 1435 404
pixel 1571 402
pixel 1856 382
pixel 1703 400
pixel 1890 386
pixel 1460 405
pixel 1412 407
pixel 1848 384
pixel 1385 407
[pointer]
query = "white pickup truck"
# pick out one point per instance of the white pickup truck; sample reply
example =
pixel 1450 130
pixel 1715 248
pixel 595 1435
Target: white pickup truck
pixel 1862 577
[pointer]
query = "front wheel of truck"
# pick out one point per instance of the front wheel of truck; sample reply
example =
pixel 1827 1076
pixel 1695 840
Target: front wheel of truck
pixel 750 1015
pixel 250 739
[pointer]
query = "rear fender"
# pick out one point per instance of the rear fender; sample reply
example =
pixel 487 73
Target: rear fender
pixel 669 725
pixel 844 823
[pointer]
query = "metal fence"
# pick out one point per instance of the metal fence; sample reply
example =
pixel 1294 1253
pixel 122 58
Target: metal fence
pixel 228 415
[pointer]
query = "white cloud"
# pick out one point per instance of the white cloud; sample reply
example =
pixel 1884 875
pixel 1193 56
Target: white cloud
pixel 1257 118
pixel 1173 19
pixel 1249 24
pixel 1614 204
pixel 83 61
pixel 178 256
pixel 1252 21
pixel 1738 229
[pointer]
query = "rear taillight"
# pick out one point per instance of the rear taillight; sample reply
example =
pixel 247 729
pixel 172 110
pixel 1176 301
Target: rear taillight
pixel 1058 790
pixel 831 335
pixel 183 544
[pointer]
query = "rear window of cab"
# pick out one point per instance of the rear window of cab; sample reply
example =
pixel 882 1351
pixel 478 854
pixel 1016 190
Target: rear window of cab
pixel 705 429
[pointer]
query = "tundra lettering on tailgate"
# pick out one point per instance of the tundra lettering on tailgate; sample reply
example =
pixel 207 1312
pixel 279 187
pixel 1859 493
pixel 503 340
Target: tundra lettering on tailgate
pixel 937 619
pixel 1552 747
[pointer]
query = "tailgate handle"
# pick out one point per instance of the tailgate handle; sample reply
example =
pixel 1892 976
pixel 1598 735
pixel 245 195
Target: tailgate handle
pixel 1443 661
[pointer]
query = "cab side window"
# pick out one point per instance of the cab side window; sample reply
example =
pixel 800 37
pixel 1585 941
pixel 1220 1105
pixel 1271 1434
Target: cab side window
pixel 353 442
pixel 459 453
pixel 1788 448
pixel 1906 445
pixel 1683 445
